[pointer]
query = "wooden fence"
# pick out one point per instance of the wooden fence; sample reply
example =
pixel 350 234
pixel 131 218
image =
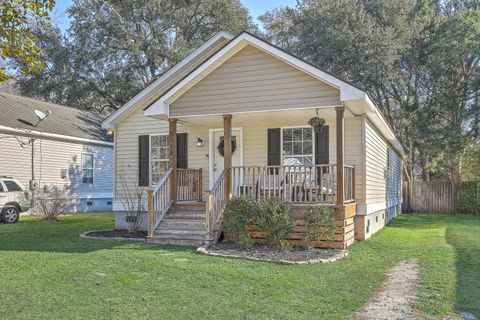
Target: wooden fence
pixel 434 197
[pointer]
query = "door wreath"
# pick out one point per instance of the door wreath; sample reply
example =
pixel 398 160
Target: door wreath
pixel 221 146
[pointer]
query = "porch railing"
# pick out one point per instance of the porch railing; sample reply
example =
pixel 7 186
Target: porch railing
pixel 159 201
pixel 189 184
pixel 296 184
pixel 217 198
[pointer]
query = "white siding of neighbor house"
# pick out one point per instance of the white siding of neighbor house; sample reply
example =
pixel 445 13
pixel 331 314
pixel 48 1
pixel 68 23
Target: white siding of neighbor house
pixel 50 158
pixel 254 147
pixel 253 80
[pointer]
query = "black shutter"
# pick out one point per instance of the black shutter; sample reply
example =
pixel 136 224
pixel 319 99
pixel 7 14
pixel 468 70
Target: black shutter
pixel 143 160
pixel 274 148
pixel 182 151
pixel 321 146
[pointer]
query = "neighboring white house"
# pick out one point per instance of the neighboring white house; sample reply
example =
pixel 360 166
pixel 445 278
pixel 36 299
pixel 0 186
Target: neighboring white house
pixel 70 149
pixel 262 97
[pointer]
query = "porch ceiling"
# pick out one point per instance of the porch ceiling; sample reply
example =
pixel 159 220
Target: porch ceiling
pixel 294 117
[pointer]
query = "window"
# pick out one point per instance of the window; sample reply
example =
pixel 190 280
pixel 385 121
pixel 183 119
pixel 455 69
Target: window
pixel 12 186
pixel 1 187
pixel 297 146
pixel 87 168
pixel 159 156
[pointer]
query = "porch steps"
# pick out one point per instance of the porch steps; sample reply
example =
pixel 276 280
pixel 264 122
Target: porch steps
pixel 183 224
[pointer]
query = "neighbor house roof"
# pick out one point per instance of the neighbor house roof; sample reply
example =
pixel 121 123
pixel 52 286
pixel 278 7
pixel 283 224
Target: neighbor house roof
pixel 65 123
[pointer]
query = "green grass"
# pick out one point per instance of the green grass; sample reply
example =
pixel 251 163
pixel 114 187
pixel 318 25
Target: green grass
pixel 47 272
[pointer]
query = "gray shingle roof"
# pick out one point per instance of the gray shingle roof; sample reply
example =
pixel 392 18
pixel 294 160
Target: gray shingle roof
pixel 18 112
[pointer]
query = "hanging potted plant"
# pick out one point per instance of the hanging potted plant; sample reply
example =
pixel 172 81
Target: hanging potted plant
pixel 317 123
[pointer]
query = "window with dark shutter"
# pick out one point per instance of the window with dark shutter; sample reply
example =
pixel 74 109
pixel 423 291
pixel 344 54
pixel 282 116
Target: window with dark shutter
pixel 321 146
pixel 143 160
pixel 274 147
pixel 182 151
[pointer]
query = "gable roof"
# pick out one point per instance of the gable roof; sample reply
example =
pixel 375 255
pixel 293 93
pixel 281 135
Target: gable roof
pixel 354 98
pixel 169 78
pixel 17 113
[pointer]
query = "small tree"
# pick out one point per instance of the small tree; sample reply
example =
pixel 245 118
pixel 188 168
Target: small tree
pixel 134 203
pixel 52 201
pixel 318 221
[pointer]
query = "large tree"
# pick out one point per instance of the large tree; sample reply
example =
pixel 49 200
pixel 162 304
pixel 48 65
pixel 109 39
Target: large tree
pixel 115 48
pixel 16 37
pixel 418 60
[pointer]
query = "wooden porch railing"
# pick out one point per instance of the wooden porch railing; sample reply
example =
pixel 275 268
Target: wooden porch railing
pixel 158 201
pixel 296 184
pixel 189 184
pixel 216 201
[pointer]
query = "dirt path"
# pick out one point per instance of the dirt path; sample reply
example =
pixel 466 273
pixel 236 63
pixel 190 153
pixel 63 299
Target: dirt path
pixel 397 296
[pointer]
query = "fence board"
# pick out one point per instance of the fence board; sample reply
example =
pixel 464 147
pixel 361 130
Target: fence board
pixel 435 196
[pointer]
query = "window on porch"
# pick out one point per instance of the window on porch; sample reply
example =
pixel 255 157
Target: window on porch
pixel 159 156
pixel 297 146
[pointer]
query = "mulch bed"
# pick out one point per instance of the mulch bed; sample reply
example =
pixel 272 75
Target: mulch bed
pixel 115 234
pixel 271 253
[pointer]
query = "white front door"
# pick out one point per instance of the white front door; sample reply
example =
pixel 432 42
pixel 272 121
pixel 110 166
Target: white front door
pixel 216 144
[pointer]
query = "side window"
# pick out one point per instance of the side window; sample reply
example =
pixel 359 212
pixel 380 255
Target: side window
pixel 87 168
pixel 1 187
pixel 12 186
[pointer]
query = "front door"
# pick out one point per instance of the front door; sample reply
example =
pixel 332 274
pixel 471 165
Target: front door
pixel 216 150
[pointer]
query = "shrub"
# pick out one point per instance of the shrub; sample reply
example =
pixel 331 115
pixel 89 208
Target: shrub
pixel 318 221
pixel 285 245
pixel 273 219
pixel 470 201
pixel 50 202
pixel 238 216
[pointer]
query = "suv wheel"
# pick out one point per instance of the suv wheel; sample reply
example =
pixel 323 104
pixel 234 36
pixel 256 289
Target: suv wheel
pixel 10 214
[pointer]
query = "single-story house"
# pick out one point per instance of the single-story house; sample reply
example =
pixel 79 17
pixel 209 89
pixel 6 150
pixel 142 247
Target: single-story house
pixel 235 118
pixel 66 147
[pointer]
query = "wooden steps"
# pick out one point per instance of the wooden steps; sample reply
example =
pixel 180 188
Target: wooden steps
pixel 183 224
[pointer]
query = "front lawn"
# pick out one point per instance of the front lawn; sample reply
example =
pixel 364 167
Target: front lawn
pixel 47 272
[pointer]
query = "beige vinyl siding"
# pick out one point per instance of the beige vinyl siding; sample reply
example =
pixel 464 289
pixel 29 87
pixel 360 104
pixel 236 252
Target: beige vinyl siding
pixel 253 80
pixel 51 157
pixel 354 152
pixel 254 146
pixel 376 162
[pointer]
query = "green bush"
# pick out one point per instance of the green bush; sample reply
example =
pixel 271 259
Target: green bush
pixel 470 201
pixel 238 215
pixel 274 220
pixel 318 221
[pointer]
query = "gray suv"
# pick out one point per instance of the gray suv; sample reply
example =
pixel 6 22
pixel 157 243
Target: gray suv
pixel 13 199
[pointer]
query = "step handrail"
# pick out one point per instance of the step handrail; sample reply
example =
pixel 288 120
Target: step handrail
pixel 158 201
pixel 216 202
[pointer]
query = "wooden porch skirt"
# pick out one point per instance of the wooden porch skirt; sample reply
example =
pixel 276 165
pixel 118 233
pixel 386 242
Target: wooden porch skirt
pixel 344 234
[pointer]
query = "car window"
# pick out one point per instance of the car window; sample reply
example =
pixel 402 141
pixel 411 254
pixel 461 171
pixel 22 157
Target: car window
pixel 1 187
pixel 12 186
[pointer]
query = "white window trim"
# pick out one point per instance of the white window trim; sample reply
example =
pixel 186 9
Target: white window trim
pixel 93 167
pixel 296 127
pixel 150 167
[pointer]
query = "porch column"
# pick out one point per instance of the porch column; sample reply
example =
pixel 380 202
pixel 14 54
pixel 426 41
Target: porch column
pixel 227 152
pixel 172 132
pixel 340 157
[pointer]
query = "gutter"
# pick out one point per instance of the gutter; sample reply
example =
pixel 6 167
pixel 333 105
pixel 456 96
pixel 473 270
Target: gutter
pixel 53 136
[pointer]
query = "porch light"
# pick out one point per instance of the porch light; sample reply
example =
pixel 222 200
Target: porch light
pixel 200 142
pixel 110 132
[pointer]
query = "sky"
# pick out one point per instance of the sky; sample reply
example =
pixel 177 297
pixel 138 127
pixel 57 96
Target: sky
pixel 256 7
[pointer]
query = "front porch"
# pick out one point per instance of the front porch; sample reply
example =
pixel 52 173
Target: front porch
pixel 295 179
